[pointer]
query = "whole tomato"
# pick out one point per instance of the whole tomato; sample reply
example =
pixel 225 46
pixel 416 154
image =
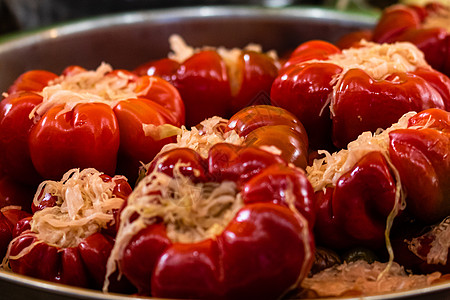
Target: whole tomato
pixel 337 94
pixel 235 224
pixel 420 153
pixel 265 125
pixel 72 230
pixel 215 82
pixel 50 124
pixel 425 26
pixel 354 211
pixel 402 171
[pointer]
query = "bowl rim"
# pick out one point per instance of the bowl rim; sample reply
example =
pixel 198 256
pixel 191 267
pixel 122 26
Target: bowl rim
pixel 88 294
pixel 163 15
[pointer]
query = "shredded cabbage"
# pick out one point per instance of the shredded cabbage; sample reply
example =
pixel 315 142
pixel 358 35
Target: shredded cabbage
pixel 380 60
pixel 84 205
pixel 440 245
pixel 191 212
pixel 325 172
pixel 85 87
pixel 362 279
pixel 203 137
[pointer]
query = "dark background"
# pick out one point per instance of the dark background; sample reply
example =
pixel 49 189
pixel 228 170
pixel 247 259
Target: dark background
pixel 19 15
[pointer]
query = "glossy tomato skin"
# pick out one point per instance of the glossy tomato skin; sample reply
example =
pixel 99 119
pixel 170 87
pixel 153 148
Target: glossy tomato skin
pixel 203 83
pixel 405 23
pixel 83 265
pixel 339 110
pixel 32 81
pixel 420 154
pixel 254 78
pixel 265 125
pixel 354 212
pixel 304 90
pixel 240 262
pixel 359 100
pixel 210 87
pixel 271 185
pixel 87 135
pixel 14 151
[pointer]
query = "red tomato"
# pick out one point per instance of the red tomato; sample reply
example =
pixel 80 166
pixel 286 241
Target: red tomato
pixel 82 265
pixel 410 23
pixel 354 212
pixel 420 153
pixel 89 134
pixel 261 252
pixel 265 125
pixel 9 217
pixel 211 86
pixel 337 105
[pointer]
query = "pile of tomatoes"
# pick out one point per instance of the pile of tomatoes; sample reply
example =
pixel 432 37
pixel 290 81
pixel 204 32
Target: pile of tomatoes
pixel 232 173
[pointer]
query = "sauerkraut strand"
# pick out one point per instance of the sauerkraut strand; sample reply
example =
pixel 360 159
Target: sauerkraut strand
pixel 380 60
pixel 85 87
pixel 84 205
pixel 202 137
pixel 182 51
pixel 191 212
pixel 325 172
pixel 361 279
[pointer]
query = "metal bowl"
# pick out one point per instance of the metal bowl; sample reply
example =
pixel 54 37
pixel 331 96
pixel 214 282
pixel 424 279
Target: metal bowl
pixel 127 40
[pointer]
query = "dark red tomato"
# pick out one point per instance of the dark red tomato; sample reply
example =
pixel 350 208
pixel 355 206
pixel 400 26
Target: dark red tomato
pixel 419 25
pixel 213 86
pixel 9 217
pixel 262 251
pixel 420 153
pixel 74 262
pixel 354 212
pixel 336 104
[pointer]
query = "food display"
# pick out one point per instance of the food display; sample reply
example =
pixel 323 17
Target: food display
pixel 233 173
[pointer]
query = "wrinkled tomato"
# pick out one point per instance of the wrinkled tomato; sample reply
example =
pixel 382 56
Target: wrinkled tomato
pixel 426 26
pixel 60 232
pixel 263 249
pixel 337 95
pixel 50 124
pixel 402 171
pixel 212 84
